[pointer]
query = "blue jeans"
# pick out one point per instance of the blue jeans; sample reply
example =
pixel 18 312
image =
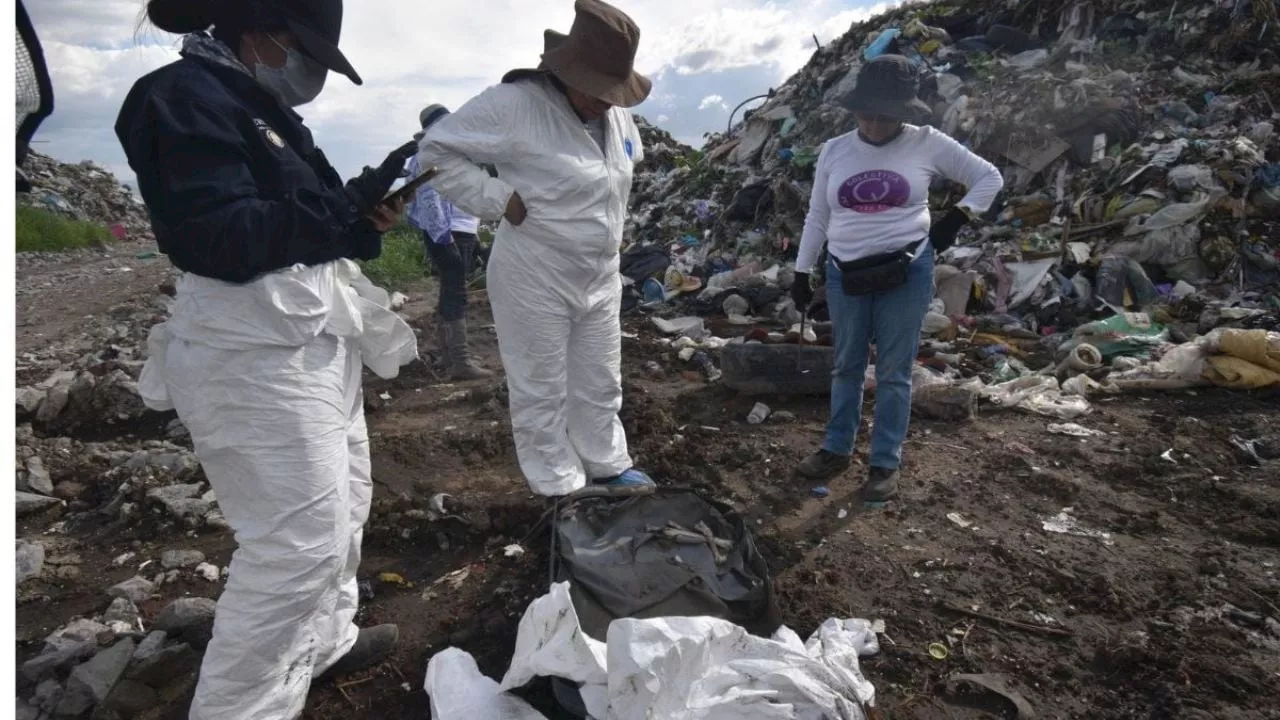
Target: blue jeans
pixel 453 264
pixel 892 319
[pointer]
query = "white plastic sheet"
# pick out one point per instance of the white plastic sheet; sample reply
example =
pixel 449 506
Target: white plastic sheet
pixel 670 668
pixel 1035 393
pixel 458 690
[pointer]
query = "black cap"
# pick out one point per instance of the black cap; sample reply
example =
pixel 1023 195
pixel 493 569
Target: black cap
pixel 888 86
pixel 317 24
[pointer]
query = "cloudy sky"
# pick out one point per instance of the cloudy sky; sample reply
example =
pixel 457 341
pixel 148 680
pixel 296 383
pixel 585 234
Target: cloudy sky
pixel 704 56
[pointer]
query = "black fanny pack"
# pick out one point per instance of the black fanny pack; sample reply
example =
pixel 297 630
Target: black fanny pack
pixel 878 273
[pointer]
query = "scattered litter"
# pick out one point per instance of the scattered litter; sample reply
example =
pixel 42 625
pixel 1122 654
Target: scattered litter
pixel 1001 685
pixel 208 571
pixel 759 414
pixel 938 651
pixel 513 551
pixel 1064 524
pixel 959 520
pixel 390 578
pixel 1074 430
pixel 820 492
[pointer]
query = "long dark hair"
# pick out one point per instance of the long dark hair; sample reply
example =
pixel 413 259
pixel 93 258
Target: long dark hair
pixel 228 18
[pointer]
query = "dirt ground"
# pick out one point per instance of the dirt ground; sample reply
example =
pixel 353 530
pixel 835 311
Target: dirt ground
pixel 1165 617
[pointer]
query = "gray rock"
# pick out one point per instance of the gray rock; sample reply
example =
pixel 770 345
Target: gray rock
pixel 188 619
pixel 54 403
pixel 181 501
pixel 38 478
pixel 61 377
pixel 29 560
pixel 75 632
pixel 150 645
pixel 119 457
pixel 174 462
pixel 27 711
pixel 137 461
pixel 165 665
pixel 175 430
pixel 171 559
pixel 28 400
pixel 91 682
pixel 49 663
pixel 136 589
pixel 130 698
pixel 122 610
pixel 216 520
pixel 28 503
pixel 48 694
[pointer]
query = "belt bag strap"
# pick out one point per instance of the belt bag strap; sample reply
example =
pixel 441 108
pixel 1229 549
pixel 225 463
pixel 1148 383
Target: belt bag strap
pixel 878 273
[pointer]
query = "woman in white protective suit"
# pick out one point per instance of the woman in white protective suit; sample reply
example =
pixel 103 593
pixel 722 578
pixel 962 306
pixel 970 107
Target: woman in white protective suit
pixel 270 327
pixel 564 147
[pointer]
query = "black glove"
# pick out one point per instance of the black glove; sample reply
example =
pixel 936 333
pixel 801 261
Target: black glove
pixel 943 233
pixel 368 188
pixel 802 292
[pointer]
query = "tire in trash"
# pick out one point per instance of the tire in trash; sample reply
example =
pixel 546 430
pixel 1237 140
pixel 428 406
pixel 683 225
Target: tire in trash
pixel 758 369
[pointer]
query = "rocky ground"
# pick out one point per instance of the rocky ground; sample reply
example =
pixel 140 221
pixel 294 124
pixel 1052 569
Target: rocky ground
pixel 1161 602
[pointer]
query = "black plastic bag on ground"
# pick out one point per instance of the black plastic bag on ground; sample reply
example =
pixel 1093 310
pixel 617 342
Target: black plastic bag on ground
pixel 671 553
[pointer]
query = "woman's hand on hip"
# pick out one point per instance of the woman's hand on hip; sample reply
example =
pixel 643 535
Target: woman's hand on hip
pixel 516 211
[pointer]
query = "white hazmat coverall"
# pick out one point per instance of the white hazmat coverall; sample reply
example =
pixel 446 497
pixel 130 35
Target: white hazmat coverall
pixel 553 280
pixel 267 377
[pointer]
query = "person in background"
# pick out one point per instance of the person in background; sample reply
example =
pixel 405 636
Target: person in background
pixel 271 325
pixel 870 209
pixel 565 148
pixel 449 235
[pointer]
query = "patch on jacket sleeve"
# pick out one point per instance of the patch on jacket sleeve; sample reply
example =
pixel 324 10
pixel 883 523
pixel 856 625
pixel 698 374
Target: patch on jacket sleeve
pixel 271 135
pixel 629 147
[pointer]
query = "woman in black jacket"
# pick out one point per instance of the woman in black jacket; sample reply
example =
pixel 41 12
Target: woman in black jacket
pixel 270 327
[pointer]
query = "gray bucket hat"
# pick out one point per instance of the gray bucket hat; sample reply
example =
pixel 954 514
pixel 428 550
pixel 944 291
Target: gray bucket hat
pixel 888 86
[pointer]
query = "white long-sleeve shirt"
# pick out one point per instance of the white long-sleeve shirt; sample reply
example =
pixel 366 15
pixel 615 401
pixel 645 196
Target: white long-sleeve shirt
pixel 870 199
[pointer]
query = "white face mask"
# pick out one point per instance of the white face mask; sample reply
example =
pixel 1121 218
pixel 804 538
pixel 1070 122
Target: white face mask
pixel 297 83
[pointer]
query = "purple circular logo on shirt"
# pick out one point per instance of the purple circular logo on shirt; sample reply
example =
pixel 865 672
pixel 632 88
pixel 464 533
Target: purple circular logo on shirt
pixel 874 191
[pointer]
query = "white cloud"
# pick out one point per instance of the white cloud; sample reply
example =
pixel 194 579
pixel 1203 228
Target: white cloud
pixel 662 118
pixel 412 54
pixel 712 101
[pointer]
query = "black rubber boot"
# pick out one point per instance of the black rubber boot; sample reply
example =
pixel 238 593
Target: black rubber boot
pixel 824 465
pixel 373 645
pixel 460 364
pixel 881 485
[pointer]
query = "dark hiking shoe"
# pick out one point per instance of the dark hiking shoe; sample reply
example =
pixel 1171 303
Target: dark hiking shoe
pixel 373 645
pixel 881 485
pixel 824 465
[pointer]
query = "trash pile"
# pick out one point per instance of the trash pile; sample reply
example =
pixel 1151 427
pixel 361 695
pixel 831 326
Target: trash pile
pixel 85 192
pixel 1141 209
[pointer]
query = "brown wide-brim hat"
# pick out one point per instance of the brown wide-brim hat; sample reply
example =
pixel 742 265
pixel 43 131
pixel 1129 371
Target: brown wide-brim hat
pixel 550 41
pixel 598 55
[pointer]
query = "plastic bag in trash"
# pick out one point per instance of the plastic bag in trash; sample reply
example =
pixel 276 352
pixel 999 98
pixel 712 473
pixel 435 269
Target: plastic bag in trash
pixel 1123 334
